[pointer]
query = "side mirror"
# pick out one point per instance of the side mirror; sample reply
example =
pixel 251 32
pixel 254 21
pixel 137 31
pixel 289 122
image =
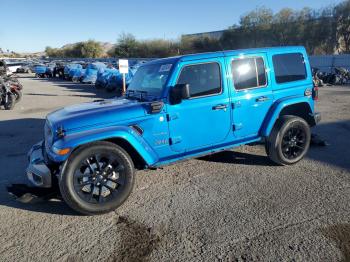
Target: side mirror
pixel 179 92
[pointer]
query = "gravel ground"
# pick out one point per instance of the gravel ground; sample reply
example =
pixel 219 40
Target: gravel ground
pixel 232 206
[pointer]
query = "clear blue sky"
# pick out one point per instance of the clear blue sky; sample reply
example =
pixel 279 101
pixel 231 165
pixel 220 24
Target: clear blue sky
pixel 31 25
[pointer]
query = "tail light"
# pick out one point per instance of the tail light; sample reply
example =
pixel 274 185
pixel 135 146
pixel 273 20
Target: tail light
pixel 315 93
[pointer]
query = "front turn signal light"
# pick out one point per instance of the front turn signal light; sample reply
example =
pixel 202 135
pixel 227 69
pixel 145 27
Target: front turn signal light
pixel 63 152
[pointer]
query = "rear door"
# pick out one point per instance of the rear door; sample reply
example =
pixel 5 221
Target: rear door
pixel 252 94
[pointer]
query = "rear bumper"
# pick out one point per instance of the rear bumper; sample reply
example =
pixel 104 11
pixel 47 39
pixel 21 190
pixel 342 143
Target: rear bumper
pixel 38 172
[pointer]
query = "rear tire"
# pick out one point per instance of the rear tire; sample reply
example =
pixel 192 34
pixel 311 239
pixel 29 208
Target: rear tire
pixel 97 178
pixel 289 140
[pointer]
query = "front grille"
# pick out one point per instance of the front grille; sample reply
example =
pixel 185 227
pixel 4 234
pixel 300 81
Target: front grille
pixel 44 153
pixel 48 135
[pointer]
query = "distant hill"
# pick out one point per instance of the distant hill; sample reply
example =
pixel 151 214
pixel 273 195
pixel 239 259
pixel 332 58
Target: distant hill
pixel 106 46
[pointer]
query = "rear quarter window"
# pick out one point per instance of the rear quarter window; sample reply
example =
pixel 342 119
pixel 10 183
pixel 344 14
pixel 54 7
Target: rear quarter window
pixel 289 67
pixel 249 73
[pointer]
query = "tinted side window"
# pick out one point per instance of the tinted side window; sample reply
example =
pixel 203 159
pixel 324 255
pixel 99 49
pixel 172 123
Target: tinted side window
pixel 289 67
pixel 204 79
pixel 248 73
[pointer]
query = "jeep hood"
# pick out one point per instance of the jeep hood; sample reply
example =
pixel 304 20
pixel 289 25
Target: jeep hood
pixel 96 114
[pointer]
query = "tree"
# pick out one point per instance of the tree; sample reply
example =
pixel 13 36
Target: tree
pixel 90 49
pixel 50 51
pixel 257 24
pixel 285 27
pixel 260 17
pixel 199 44
pixel 342 16
pixel 323 38
pixel 157 48
pixel 127 46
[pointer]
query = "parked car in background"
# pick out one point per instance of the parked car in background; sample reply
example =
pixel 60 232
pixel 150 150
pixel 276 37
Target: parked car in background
pixel 70 66
pixel 13 65
pixel 40 70
pixel 103 76
pixel 50 68
pixel 115 82
pixel 77 74
pixel 59 70
pixel 90 75
pixel 25 68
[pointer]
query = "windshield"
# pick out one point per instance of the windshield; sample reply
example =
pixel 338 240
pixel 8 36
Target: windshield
pixel 150 79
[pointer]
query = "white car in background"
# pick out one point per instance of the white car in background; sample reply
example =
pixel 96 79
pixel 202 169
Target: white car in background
pixel 13 66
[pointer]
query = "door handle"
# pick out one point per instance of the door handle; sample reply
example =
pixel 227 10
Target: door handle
pixel 220 107
pixel 262 99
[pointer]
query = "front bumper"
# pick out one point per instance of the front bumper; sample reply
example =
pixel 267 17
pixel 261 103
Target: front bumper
pixel 38 173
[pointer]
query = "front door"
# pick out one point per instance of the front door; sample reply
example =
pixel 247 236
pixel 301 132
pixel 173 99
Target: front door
pixel 204 119
pixel 252 94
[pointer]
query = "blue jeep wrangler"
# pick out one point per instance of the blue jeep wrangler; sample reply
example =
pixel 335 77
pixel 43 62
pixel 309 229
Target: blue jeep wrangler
pixel 177 108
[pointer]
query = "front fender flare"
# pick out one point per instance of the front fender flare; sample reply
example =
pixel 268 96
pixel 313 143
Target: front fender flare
pixel 75 140
pixel 276 109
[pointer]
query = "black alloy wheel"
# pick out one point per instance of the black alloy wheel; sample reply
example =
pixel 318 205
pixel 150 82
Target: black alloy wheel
pixel 97 178
pixel 289 140
pixel 294 142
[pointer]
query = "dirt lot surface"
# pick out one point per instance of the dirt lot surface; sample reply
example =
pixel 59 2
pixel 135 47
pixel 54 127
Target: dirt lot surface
pixel 233 206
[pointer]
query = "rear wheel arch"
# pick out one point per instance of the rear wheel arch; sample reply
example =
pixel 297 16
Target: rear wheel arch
pixel 302 110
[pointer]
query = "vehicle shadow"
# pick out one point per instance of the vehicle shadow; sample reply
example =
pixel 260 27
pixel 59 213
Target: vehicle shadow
pixel 87 90
pixel 232 157
pixel 17 137
pixel 336 154
pixel 49 206
pixel 336 134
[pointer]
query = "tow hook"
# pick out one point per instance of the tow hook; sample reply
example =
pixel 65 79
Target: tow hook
pixel 30 195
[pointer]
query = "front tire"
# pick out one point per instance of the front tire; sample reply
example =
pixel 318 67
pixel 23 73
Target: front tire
pixel 289 140
pixel 11 101
pixel 97 178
